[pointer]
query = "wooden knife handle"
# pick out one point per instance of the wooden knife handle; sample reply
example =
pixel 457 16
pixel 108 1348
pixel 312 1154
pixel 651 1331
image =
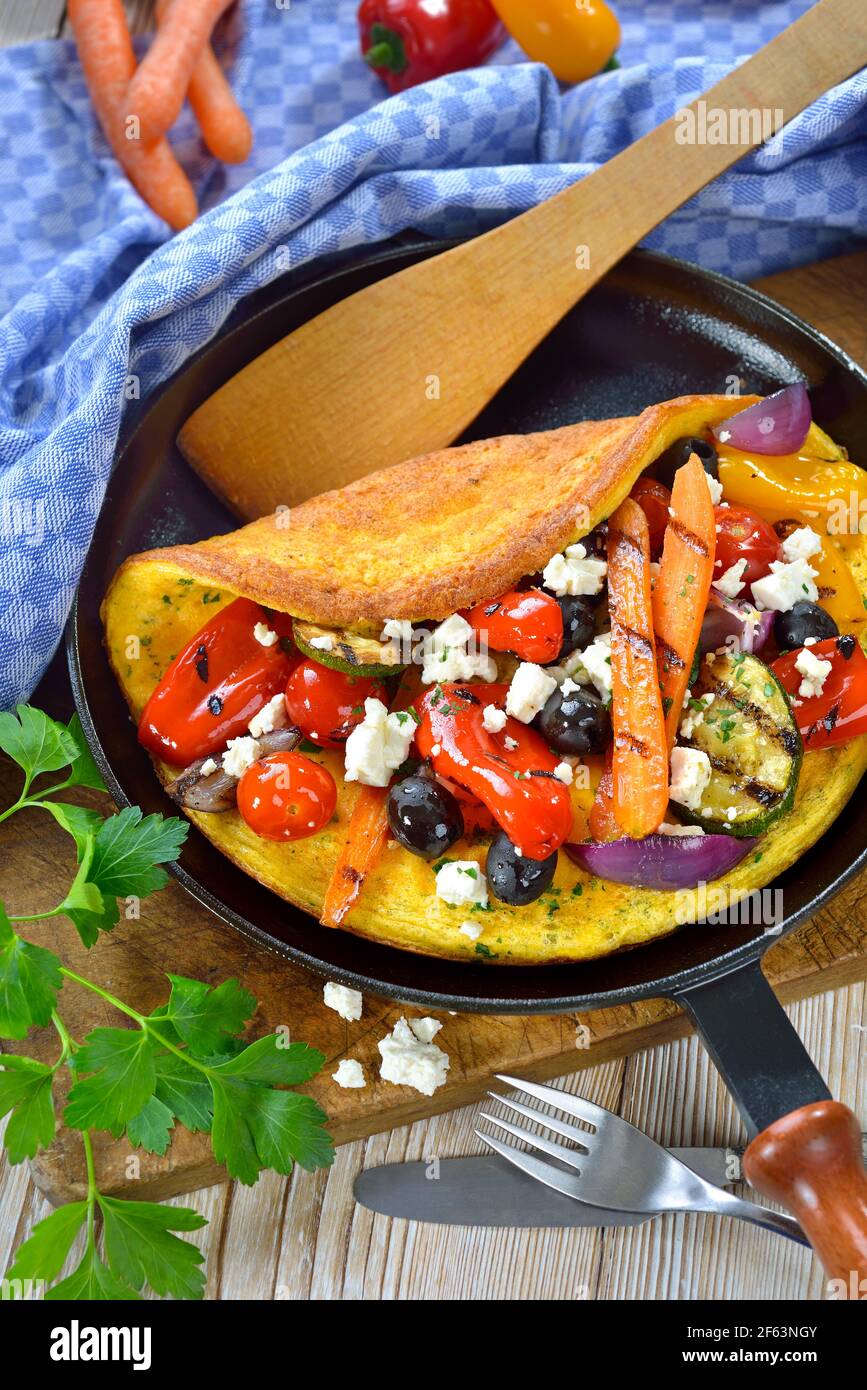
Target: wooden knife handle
pixel 810 1162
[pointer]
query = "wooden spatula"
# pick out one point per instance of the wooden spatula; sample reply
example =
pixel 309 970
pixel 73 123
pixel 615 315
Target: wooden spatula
pixel 403 366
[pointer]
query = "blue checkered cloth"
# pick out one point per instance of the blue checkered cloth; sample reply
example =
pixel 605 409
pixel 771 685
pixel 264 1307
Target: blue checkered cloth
pixel 93 290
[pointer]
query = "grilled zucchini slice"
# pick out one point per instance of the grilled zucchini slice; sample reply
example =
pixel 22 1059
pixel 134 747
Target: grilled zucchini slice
pixel 350 652
pixel 755 749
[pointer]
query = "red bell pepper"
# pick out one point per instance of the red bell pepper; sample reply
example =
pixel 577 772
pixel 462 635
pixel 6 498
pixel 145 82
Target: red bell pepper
pixel 840 712
pixel 527 622
pixel 412 41
pixel 514 779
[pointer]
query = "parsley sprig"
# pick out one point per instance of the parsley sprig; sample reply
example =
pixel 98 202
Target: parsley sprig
pixel 186 1062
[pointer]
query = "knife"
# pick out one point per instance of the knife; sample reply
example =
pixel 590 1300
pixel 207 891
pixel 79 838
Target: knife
pixel 487 1191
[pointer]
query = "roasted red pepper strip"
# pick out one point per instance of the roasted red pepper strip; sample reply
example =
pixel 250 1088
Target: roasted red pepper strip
pixel 213 687
pixel 411 41
pixel 517 785
pixel 527 622
pixel 840 712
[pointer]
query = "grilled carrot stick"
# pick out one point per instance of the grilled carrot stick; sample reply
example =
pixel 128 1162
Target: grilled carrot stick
pixel 108 61
pixel 640 757
pixel 368 832
pixel 601 821
pixel 225 129
pixel 158 88
pixel 682 586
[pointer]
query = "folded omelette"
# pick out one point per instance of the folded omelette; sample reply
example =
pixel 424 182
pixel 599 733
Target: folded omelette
pixel 416 544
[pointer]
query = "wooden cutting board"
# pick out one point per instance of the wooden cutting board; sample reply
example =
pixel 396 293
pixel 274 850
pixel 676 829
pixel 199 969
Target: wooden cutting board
pixel 175 933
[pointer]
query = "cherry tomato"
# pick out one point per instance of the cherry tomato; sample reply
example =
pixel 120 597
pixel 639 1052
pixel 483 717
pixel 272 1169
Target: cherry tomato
pixel 527 622
pixel 742 535
pixel 654 499
pixel 840 712
pixel 286 796
pixel 326 705
pixel 514 780
pixel 213 687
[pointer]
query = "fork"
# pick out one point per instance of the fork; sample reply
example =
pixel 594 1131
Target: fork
pixel 619 1168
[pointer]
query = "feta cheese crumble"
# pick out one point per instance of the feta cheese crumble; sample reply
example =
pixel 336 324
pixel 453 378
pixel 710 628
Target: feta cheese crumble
pixel 471 929
pixel 447 655
pixel 325 643
pixel 564 773
pixel 208 766
pixel 802 544
pixel 270 717
pixel 349 1074
pixel 240 754
pixel 596 660
pixel 693 717
pixel 343 1000
pixel 528 692
pixel 461 882
pixel 378 745
pixel 264 635
pixel 573 573
pixel 667 829
pixel 396 630
pixel 408 1060
pixel 425 1029
pixel 815 672
pixel 788 583
pixel 690 774
pixel 493 719
pixel 731 584
pixel 715 488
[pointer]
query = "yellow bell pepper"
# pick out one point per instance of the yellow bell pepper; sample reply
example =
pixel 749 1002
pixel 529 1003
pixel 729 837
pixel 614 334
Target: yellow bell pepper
pixel 576 38
pixel 830 496
pixel 825 494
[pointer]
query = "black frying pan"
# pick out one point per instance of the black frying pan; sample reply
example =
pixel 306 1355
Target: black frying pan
pixel 654 329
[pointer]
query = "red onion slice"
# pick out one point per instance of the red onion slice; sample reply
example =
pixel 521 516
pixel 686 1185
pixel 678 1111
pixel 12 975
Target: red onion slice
pixel 665 862
pixel 725 617
pixel 776 425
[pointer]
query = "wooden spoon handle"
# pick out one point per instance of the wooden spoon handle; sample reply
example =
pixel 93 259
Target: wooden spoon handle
pixel 810 1162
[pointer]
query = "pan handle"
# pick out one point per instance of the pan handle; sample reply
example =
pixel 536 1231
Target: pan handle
pixel 808 1161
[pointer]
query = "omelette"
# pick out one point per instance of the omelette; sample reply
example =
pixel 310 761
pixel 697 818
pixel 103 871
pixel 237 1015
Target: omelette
pixel 527 700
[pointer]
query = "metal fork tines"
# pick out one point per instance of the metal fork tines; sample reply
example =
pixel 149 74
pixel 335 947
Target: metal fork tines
pixel 615 1165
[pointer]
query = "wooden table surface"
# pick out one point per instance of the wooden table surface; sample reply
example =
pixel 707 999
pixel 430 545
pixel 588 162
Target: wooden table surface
pixel 304 1238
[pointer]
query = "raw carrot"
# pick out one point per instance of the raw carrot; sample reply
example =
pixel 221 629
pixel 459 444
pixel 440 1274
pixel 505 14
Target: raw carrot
pixel 640 756
pixel 157 91
pixel 368 832
pixel 108 61
pixel 225 129
pixel 682 586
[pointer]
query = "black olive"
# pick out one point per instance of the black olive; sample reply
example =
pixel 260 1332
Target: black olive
pixel 676 456
pixel 512 877
pixel 802 621
pixel 424 815
pixel 578 624
pixel 575 722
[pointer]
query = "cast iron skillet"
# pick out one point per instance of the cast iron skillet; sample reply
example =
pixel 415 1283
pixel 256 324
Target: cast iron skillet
pixel 654 329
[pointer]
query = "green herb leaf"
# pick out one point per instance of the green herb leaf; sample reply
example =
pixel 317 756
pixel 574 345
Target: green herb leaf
pixel 35 742
pixel 205 1017
pixel 92 1282
pixel 77 821
pixel 85 772
pixel 141 1249
pixel 184 1092
pixel 255 1128
pixel 118 1078
pixel 128 849
pixel 152 1127
pixel 267 1062
pixel 43 1254
pixel 29 980
pixel 25 1089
